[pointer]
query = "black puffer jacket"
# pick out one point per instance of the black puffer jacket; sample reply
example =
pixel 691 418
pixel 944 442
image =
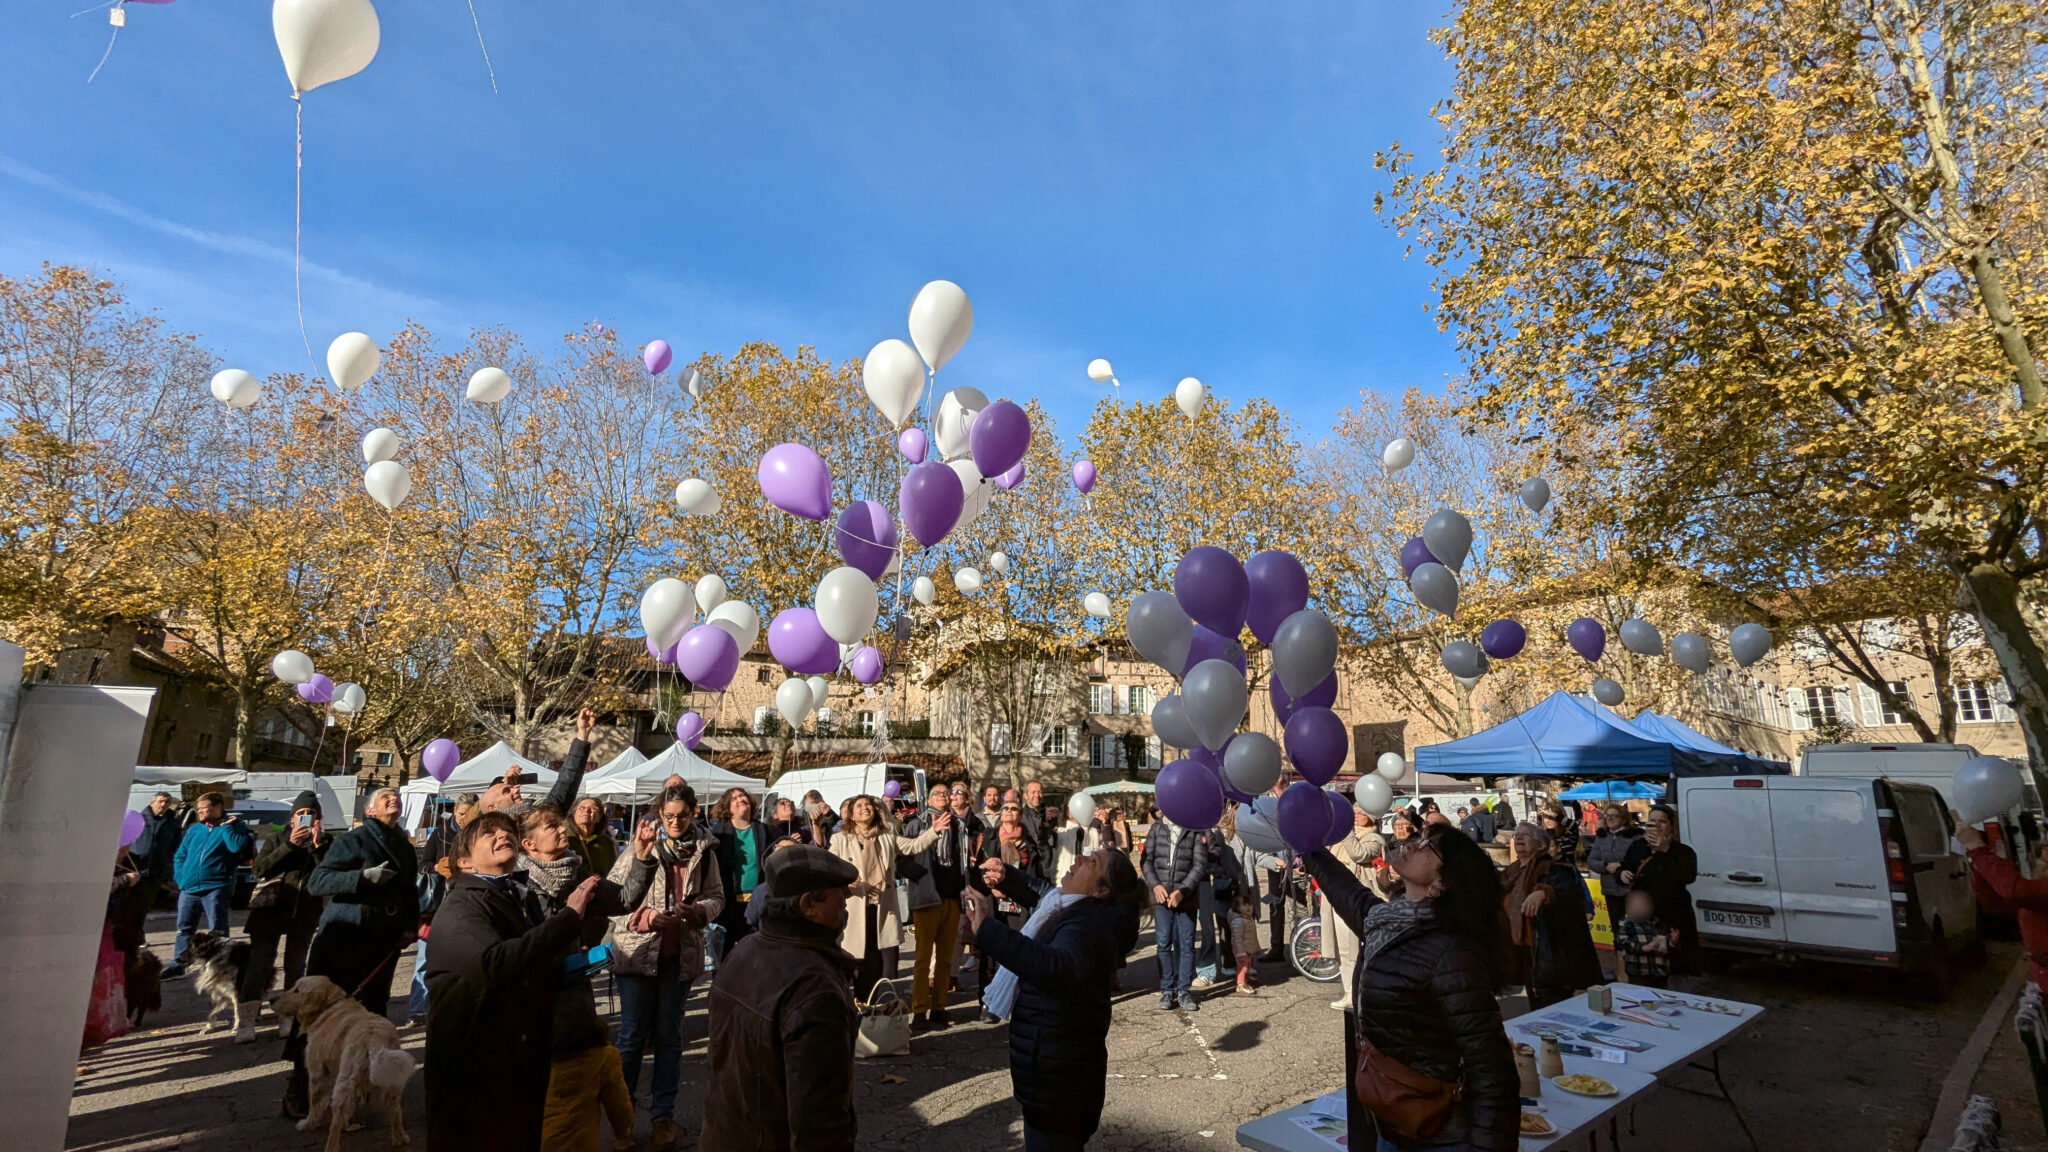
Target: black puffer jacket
pixel 1427 1000
pixel 291 907
pixel 1059 1024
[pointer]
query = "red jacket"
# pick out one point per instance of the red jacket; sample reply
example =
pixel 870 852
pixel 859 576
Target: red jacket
pixel 2000 889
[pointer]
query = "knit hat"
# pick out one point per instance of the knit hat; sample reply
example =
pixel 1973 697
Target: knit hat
pixel 308 799
pixel 802 868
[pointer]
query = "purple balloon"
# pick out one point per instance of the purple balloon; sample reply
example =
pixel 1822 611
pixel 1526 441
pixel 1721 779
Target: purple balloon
pixel 1303 816
pixel 801 644
pixel 1586 637
pixel 1503 639
pixel 1340 816
pixel 1190 794
pixel 1414 554
pixel 131 827
pixel 912 443
pixel 318 690
pixel 1008 481
pixel 440 758
pixel 929 502
pixel 660 654
pixel 1317 743
pixel 656 357
pixel 892 789
pixel 795 479
pixel 1211 587
pixel 866 537
pixel 707 656
pixel 1321 696
pixel 1209 645
pixel 690 729
pixel 998 438
pixel 1279 589
pixel 1084 476
pixel 866 665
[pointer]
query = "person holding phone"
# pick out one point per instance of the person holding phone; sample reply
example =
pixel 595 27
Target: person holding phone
pixel 280 909
pixel 504 796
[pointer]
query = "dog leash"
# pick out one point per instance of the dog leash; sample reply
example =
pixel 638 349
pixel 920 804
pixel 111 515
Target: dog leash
pixel 392 959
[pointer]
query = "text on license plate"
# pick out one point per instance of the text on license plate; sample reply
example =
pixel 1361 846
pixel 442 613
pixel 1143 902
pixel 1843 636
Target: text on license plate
pixel 1737 919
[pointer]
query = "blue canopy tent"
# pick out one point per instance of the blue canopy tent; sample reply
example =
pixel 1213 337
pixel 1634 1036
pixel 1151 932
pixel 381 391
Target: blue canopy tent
pixel 1569 736
pixel 1605 790
pixel 1658 726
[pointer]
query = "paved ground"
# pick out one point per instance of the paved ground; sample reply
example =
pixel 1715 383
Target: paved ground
pixel 1844 1061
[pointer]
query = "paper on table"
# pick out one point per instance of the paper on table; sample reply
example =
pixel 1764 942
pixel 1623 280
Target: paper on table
pixel 1329 1104
pixel 1328 1130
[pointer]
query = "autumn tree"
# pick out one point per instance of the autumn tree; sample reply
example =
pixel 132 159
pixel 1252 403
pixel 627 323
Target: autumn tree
pixel 1785 259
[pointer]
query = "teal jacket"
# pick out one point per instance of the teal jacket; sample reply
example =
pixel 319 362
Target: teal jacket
pixel 207 857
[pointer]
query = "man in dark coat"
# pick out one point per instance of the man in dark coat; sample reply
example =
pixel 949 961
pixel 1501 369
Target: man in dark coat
pixel 782 1018
pixel 369 877
pixel 281 910
pixel 498 960
pixel 1174 861
pixel 1037 831
pixel 152 852
pixel 1479 825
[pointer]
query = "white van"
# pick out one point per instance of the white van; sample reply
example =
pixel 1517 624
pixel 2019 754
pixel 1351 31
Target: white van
pixel 844 781
pixel 1935 766
pixel 1858 870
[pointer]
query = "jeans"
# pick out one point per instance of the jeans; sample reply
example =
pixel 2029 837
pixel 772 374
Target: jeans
pixel 1037 1141
pixel 1341 943
pixel 1205 932
pixel 416 1004
pixel 215 905
pixel 1173 929
pixel 653 1006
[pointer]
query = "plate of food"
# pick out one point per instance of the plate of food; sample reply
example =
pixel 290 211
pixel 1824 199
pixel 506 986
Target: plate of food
pixel 1533 1124
pixel 1580 1084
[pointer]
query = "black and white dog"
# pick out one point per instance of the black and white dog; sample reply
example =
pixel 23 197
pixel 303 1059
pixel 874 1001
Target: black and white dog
pixel 219 963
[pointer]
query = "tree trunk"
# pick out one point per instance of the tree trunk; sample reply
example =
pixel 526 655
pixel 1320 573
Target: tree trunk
pixel 1993 595
pixel 244 689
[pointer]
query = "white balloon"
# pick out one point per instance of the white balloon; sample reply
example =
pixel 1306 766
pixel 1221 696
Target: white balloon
pixel 697 497
pixel 351 360
pixel 793 700
pixel 292 666
pixel 489 385
pixel 1986 787
pixel 348 699
pixel 846 604
pixel 940 319
pixel 1390 767
pixel 323 40
pixel 1099 370
pixel 924 590
pixel 388 482
pixel 710 592
pixel 894 378
pixel 1398 454
pixel 694 383
pixel 665 611
pixel 1189 394
pixel 968 581
pixel 957 410
pixel 1373 794
pixel 975 492
pixel 236 388
pixel 999 563
pixel 820 689
pixel 1097 605
pixel 380 445
pixel 738 620
pixel 1081 806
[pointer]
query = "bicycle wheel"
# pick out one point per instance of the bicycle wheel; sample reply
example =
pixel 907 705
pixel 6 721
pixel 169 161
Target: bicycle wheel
pixel 1305 950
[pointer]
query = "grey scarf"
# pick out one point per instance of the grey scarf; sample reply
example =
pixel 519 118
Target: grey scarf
pixel 554 878
pixel 1388 920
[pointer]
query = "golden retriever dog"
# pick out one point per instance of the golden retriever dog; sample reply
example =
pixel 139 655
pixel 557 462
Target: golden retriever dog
pixel 352 1054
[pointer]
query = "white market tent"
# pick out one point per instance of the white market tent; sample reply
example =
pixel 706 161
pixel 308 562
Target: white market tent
pixel 618 765
pixel 640 783
pixel 167 775
pixel 480 771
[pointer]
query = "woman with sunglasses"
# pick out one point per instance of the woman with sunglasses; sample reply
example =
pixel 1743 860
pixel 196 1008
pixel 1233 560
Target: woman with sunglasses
pixel 1429 961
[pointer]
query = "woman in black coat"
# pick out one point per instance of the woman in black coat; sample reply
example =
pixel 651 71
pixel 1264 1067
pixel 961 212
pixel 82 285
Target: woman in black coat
pixel 1059 973
pixel 496 964
pixel 1429 962
pixel 1667 876
pixel 1548 910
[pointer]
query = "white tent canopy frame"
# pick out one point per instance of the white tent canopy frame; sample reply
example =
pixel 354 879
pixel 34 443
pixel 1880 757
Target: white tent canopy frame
pixel 480 771
pixel 623 782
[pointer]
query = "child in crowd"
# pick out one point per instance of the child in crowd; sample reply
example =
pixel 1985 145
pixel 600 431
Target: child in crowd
pixel 1643 943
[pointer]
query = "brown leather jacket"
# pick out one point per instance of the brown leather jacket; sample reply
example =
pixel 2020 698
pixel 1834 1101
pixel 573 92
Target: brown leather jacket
pixel 782 1030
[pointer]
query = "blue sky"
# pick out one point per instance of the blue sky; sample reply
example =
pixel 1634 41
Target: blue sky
pixel 1184 189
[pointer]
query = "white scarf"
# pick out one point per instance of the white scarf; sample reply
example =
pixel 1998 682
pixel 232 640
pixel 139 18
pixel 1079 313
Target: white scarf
pixel 1001 995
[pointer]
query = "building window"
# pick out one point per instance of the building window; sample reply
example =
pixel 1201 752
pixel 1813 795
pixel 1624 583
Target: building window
pixel 867 722
pixel 383 759
pixel 1973 702
pixel 1101 752
pixel 1101 699
pixel 1056 741
pixel 1138 700
pixel 1820 705
pixel 999 739
pixel 827 719
pixel 1886 714
pixel 763 675
pixel 205 749
pixel 763 717
pixel 1044 680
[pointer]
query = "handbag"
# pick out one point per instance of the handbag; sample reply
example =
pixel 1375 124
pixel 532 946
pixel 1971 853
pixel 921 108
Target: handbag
pixel 1409 1105
pixel 431 887
pixel 267 892
pixel 884 1023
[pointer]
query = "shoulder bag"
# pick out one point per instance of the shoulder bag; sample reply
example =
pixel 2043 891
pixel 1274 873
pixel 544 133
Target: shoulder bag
pixel 1410 1106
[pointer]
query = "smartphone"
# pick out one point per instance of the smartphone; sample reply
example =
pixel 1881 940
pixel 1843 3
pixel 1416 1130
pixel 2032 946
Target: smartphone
pixel 305 820
pixel 589 960
pixel 526 778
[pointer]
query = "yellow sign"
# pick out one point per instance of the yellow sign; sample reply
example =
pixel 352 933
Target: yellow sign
pixel 1603 932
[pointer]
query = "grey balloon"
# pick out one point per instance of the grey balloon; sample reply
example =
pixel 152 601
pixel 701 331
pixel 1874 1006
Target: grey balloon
pixel 1689 651
pixel 1252 763
pixel 1304 651
pixel 1461 658
pixel 1257 831
pixel 1608 692
pixel 1435 587
pixel 1159 630
pixel 1449 536
pixel 1212 699
pixel 1535 493
pixel 1468 681
pixel 1170 723
pixel 1748 643
pixel 1642 638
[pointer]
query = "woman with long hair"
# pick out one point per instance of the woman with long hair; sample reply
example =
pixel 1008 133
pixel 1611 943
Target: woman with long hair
pixel 1667 876
pixel 874 927
pixel 1547 907
pixel 1429 962
pixel 590 836
pixel 742 851
pixel 1058 973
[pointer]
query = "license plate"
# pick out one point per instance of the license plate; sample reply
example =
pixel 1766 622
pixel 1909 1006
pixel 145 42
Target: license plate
pixel 1736 919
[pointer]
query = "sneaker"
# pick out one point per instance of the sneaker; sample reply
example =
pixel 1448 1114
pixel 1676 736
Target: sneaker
pixel 1340 1004
pixel 1166 1001
pixel 988 1017
pixel 246 1034
pixel 1204 982
pixel 1189 1004
pixel 172 972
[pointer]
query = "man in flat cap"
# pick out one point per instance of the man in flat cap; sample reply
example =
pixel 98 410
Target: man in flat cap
pixel 783 1020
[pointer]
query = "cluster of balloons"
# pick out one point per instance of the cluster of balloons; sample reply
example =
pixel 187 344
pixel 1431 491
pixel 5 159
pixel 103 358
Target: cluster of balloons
pixel 797 698
pixel 709 653
pixel 1747 643
pixel 295 667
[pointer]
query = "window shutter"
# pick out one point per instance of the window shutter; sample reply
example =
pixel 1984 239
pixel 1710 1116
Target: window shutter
pixel 1072 741
pixel 1795 707
pixel 1151 751
pixel 2001 702
pixel 999 739
pixel 1842 709
pixel 1867 704
pixel 761 715
pixel 1037 745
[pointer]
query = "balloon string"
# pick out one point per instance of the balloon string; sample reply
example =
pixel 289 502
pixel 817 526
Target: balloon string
pixel 298 220
pixel 318 745
pixel 109 52
pixel 480 44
